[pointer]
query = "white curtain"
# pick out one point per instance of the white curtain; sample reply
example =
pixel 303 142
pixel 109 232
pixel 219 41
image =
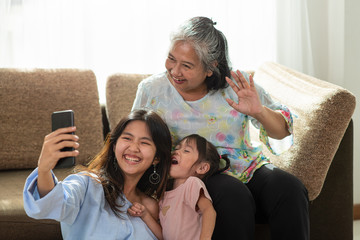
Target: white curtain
pixel 293 36
pixel 310 38
pixel 110 36
pixel 320 38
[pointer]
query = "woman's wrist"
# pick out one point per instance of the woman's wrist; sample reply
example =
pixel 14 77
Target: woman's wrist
pixel 43 170
pixel 273 122
pixel 261 115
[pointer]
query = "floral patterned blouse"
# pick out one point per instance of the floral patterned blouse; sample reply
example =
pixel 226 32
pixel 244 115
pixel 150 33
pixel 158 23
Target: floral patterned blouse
pixel 213 118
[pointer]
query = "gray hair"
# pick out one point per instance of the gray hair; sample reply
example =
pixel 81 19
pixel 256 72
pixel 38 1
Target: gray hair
pixel 210 46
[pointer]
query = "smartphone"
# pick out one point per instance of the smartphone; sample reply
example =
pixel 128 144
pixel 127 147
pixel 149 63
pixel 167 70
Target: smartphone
pixel 62 119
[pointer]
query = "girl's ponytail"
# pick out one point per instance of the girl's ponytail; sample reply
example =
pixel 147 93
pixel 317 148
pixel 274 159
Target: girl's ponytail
pixel 227 161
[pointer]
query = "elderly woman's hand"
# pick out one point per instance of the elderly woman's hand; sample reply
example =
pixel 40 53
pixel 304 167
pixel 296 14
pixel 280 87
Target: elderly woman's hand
pixel 248 98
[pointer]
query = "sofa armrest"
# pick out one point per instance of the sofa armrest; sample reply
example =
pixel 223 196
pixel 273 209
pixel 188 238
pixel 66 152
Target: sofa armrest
pixel 323 111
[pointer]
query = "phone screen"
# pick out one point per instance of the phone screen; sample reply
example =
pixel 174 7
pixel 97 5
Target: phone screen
pixel 62 119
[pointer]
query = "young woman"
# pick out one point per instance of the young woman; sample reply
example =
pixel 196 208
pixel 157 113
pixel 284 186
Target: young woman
pixel 200 94
pixel 93 203
pixel 186 210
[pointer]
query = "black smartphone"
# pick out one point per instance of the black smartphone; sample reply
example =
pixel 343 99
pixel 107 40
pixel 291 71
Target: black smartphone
pixel 62 119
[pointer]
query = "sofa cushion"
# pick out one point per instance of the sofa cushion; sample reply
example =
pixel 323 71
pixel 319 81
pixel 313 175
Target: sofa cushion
pixel 13 219
pixel 323 111
pixel 120 94
pixel 28 97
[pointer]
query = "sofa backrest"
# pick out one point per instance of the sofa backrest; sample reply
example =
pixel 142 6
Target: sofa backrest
pixel 28 98
pixel 323 111
pixel 120 94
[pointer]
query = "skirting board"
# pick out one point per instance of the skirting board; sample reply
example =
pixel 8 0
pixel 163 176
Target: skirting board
pixel 356 211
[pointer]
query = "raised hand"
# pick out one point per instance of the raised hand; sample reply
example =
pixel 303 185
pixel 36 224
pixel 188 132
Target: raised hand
pixel 50 155
pixel 248 99
pixel 53 143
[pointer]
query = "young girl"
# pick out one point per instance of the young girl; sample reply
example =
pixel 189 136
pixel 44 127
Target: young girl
pixel 186 211
pixel 92 204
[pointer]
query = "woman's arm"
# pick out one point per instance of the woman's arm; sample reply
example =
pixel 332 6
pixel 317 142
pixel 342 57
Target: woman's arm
pixel 149 216
pixel 54 205
pixel 249 103
pixel 50 155
pixel 273 122
pixel 208 216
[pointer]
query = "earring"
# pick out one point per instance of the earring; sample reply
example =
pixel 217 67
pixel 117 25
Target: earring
pixel 154 177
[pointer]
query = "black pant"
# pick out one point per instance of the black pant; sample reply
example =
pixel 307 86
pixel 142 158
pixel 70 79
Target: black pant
pixel 272 196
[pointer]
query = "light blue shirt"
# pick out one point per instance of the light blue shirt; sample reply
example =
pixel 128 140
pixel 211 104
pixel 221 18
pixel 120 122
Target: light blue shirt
pixel 79 204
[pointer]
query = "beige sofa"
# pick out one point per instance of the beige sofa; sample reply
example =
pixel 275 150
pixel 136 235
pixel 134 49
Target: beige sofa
pixel 322 155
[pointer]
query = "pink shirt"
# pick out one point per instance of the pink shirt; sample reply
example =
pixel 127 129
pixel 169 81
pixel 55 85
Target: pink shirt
pixel 179 217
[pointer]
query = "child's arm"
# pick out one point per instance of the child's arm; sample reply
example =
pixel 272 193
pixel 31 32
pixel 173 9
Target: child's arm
pixel 208 216
pixel 149 216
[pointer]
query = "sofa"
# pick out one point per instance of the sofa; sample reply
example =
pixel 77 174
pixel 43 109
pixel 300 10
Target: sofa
pixel 322 155
pixel 28 97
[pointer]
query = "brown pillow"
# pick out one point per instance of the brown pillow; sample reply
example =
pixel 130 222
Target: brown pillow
pixel 324 111
pixel 28 97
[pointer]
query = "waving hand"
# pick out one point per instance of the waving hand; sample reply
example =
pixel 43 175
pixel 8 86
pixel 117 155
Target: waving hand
pixel 248 98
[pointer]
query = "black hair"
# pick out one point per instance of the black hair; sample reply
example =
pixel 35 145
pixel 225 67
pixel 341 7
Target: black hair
pixel 209 154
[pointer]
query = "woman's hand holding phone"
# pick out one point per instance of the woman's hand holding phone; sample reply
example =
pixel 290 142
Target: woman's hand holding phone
pixel 51 153
pixel 53 143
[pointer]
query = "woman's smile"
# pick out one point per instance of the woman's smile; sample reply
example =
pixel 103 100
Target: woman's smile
pixel 132 159
pixel 176 80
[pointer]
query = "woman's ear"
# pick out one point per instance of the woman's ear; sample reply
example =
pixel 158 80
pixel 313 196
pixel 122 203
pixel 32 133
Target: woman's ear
pixel 203 168
pixel 156 160
pixel 209 72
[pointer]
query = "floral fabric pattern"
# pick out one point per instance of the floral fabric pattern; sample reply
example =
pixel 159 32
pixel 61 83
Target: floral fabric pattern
pixel 212 118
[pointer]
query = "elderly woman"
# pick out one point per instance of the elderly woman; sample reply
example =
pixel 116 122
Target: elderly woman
pixel 200 94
